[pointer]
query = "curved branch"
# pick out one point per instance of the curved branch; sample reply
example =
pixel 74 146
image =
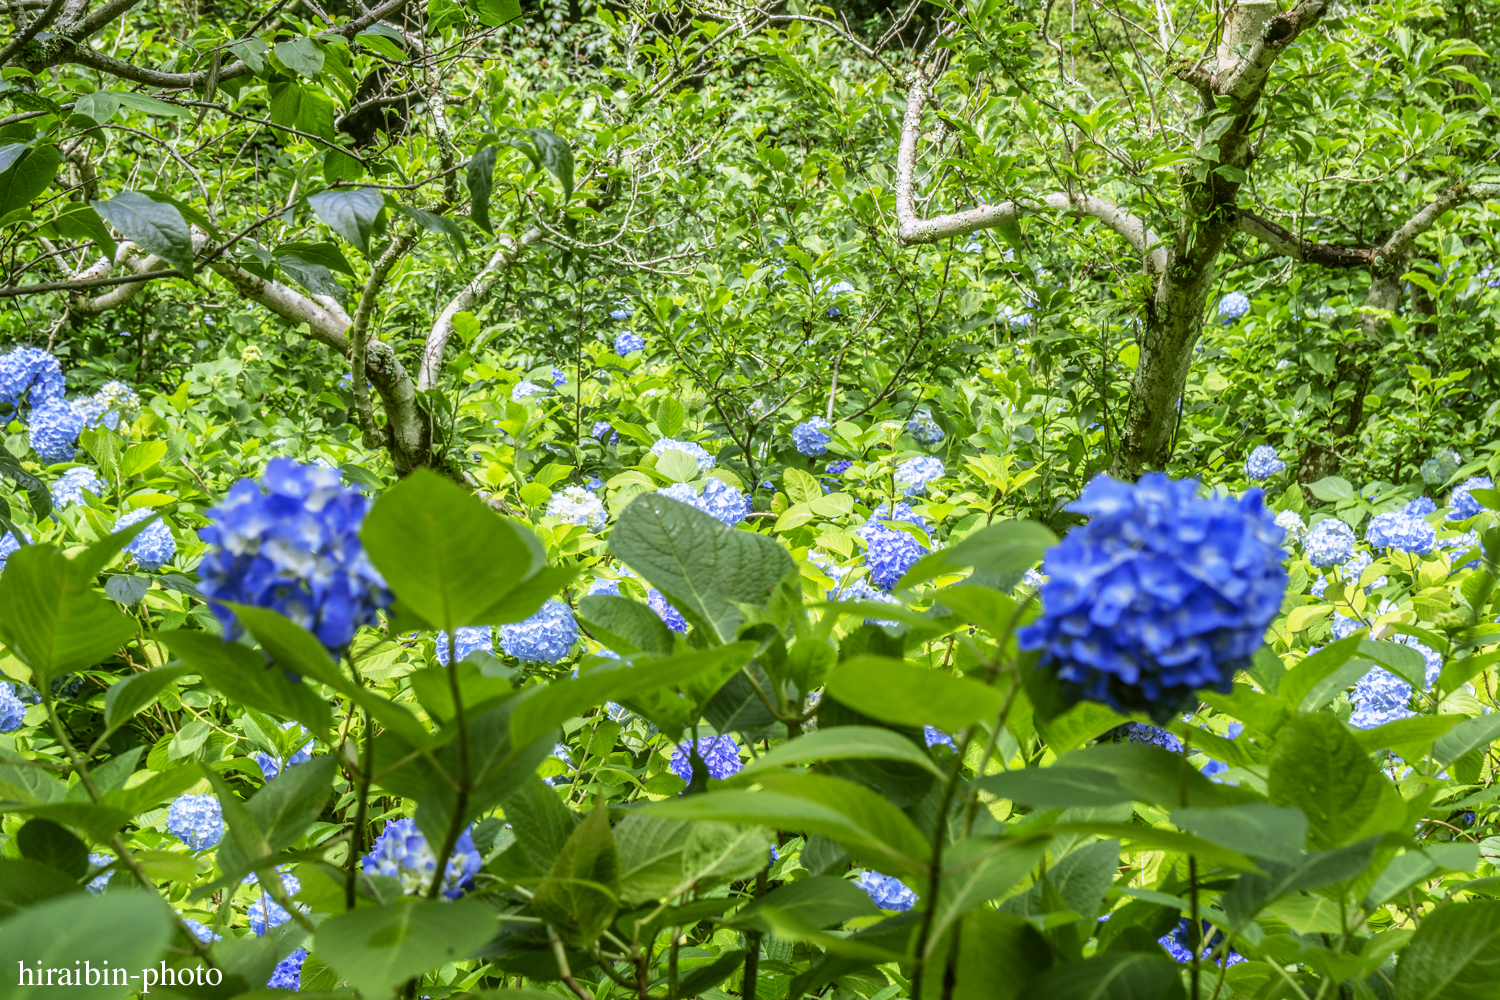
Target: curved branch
pixel 1288 244
pixel 912 229
pixel 359 333
pixel 29 32
pixel 475 291
pixel 1395 247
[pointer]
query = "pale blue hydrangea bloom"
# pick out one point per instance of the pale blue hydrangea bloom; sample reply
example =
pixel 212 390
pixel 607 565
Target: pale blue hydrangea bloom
pixel 69 488
pixel 1033 579
pixel 1420 507
pixel 887 891
pixel 154 547
pixel 1465 506
pixel 197 821
pixel 913 475
pixel 29 372
pixel 523 389
pixel 923 429
pixel 115 401
pixel 627 342
pixel 53 429
pixel 576 505
pixel 933 736
pixel 401 851
pixel 860 590
pixel 545 637
pixel 1232 307
pixel 603 429
pixel 720 755
pixel 718 500
pixel 657 601
pixel 1139 732
pixel 1380 697
pixel 1264 463
pixel 264 912
pixel 12 709
pixel 1401 532
pixel 9 543
pixel 1329 541
pixel 559 377
pixel 689 448
pixel 621 312
pixel 604 586
pixel 288 974
pixel 808 437
pixel 201 932
pixel 888 553
pixel 1291 522
pixel 96 884
pixel 466 639
pixel 1440 468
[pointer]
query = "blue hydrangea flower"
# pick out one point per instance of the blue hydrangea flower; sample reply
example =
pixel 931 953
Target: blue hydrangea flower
pixel 913 475
pixel 657 601
pixel 1033 579
pixel 54 427
pixel 288 974
pixel 888 553
pixel 719 753
pixel 1420 507
pixel 1353 568
pixel 594 485
pixel 1440 468
pixel 603 586
pixel 1465 506
pixel 860 590
pixel 29 372
pixel 96 884
pixel 923 429
pixel 1232 307
pixel 523 389
pixel 12 709
pixel 401 851
pixel 576 505
pixel 887 891
pixel 197 821
pixel 466 639
pixel 154 547
pixel 1162 593
pixel 113 402
pixel 69 488
pixel 272 766
pixel 264 912
pixel 1432 660
pixel 1139 732
pixel 691 449
pixel 1399 531
pixel 900 511
pixel 603 429
pixel 621 312
pixel 1291 522
pixel 291 543
pixel 201 932
pixel 934 736
pixel 1380 697
pixel 628 343
pixel 9 543
pixel 559 377
pixel 1329 541
pixel 1263 463
pixel 1179 943
pixel 545 637
pixel 808 436
pixel 718 500
pixel 840 467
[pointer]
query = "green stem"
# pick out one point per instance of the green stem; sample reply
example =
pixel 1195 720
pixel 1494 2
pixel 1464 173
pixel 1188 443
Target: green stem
pixel 461 798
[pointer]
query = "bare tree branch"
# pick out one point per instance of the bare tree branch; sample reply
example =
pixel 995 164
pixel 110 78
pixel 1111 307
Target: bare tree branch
pixel 29 32
pixel 1288 244
pixel 471 294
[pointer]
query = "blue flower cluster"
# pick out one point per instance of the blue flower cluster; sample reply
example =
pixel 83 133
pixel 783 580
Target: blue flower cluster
pixel 689 448
pixel 28 372
pixel 197 821
pixel 888 553
pixel 720 755
pixel 576 505
pixel 1380 697
pixel 657 601
pixel 1330 541
pixel 1162 593
pixel 96 884
pixel 627 342
pixel 719 500
pixel 466 639
pixel 933 736
pixel 1420 507
pixel 860 590
pixel 1232 307
pixel 1139 732
pixel 808 437
pixel 55 426
pixel 69 488
pixel 9 543
pixel 913 475
pixel 1179 943
pixel 113 402
pixel 201 932
pixel 603 429
pixel 1440 468
pixel 923 429
pixel 291 543
pixel 154 547
pixel 12 710
pixel 545 637
pixel 1263 463
pixel 559 377
pixel 272 766
pixel 887 891
pixel 1465 506
pixel 621 312
pixel 401 851
pixel 288 973
pixel 524 389
pixel 264 912
pixel 1402 532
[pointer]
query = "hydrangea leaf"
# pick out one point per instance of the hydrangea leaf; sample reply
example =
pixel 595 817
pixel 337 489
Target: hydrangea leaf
pixel 841 743
pixel 1109 773
pixel 581 892
pixel 1468 735
pixel 377 948
pixel 1318 767
pixel 893 691
pixel 979 869
pixel 240 673
pixel 623 625
pixel 1000 548
pixel 55 622
pixel 716 853
pixel 1128 976
pixel 820 901
pixel 1257 829
pixel 283 809
pixel 999 955
pixel 1314 682
pixel 129 930
pixel 46 842
pixel 127 697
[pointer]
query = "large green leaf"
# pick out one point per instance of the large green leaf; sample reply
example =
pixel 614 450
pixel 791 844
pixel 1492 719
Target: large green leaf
pixel 242 674
pixel 1112 977
pixel 350 212
pixel 821 901
pixel 45 842
pixel 480 175
pixel 650 856
pixel 981 869
pixel 1467 736
pixel 126 929
pixel 127 697
pixel 1319 768
pixel 54 622
pixel 1455 954
pixel 283 810
pixel 999 956
pixel 27 177
pixel 1110 773
pixel 449 557
pixel 897 692
pixel 706 568
pixel 623 625
pixel 377 948
pixel 1002 547
pixel 581 893
pixel 153 225
pixel 841 743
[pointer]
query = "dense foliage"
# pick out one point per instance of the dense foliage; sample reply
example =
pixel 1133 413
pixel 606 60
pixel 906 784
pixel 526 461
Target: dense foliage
pixel 990 501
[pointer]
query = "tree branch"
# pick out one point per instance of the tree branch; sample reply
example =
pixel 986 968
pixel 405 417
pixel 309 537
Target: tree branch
pixel 359 333
pixel 474 292
pixel 29 32
pixel 1245 81
pixel 1288 244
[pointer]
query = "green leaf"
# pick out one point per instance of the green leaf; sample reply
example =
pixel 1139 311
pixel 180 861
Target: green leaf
pixel 1002 547
pixel 554 153
pixel 127 697
pixel 324 253
pixel 377 948
pixel 1318 679
pixel 894 691
pixel 152 225
pixel 493 12
pixel 1469 735
pixel 842 743
pixel 27 177
pixel 1128 976
pixel 129 930
pixel 1106 774
pixel 77 221
pixel 146 104
pixel 54 622
pixel 1318 766
pixel 47 843
pixel 24 883
pixel 480 175
pixel 704 567
pixel 350 212
pixel 1257 829
pixel 715 853
pixel 301 55
pixel 242 675
pixel 650 849
pixel 446 555
pixel 980 869
pixel 1403 661
pixel 821 901
pixel 581 893
pixel 433 223
pixel 623 625
pixel 282 810
pixel 1332 488
pixel 999 956
pixel 37 493
pixel 1454 955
